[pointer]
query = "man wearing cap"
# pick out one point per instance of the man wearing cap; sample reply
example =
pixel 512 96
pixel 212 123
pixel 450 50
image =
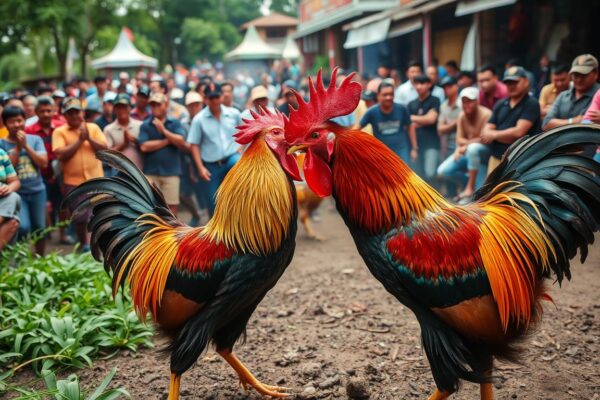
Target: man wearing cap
pixel 447 122
pixel 368 99
pixel 211 136
pixel 100 89
pixel 259 98
pixel 122 134
pixel 107 111
pixel 161 140
pixel 141 110
pixel 514 117
pixel 288 97
pixel 571 105
pixel 467 165
pixel 75 145
pixel 390 121
pixel 424 113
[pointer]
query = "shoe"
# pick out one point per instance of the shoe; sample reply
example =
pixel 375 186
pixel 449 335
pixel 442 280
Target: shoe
pixel 67 241
pixel 85 248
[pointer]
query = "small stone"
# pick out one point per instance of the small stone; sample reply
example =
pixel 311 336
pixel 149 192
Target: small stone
pixel 357 388
pixel 329 382
pixel 311 369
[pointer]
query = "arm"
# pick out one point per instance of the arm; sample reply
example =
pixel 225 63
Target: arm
pixel 66 152
pixel 445 128
pixel 13 184
pixel 97 145
pixel 428 119
pixel 412 136
pixel 507 136
pixel 552 121
pixel 153 145
pixel 175 138
pixel 197 157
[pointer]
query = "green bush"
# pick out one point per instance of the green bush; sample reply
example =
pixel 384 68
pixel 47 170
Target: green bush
pixel 59 310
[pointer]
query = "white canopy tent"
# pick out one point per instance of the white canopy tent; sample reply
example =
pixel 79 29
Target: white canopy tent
pixel 252 48
pixel 125 55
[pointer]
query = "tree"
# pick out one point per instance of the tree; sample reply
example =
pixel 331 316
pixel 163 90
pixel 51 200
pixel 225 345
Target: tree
pixel 289 7
pixel 201 38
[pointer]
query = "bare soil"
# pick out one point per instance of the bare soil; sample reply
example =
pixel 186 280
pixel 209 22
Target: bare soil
pixel 329 330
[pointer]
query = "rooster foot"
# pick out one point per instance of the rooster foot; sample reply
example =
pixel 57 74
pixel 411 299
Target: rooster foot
pixel 439 395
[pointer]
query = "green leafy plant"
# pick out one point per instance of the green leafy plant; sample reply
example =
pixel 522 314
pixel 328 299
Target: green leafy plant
pixel 59 309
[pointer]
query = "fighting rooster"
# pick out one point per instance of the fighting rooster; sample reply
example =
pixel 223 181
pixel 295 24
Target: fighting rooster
pixel 473 275
pixel 201 284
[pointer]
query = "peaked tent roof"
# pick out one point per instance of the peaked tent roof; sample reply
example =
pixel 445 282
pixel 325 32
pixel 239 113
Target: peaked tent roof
pixel 252 48
pixel 273 19
pixel 124 55
pixel 290 49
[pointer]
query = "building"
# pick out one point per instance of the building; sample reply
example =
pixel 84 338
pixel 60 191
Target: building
pixel 470 32
pixel 275 29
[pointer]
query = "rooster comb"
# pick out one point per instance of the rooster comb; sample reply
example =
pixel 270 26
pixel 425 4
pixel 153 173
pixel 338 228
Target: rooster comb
pixel 324 104
pixel 264 119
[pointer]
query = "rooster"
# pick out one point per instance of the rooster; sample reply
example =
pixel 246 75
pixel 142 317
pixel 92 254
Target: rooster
pixel 473 275
pixel 201 284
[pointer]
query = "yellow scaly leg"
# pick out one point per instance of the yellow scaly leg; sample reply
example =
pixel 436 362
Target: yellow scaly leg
pixel 174 387
pixel 439 395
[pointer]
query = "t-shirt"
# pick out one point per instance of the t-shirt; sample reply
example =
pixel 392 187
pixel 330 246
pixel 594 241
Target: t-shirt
pixel 83 165
pixel 165 161
pixel 29 174
pixel 115 136
pixel 447 115
pixel 392 128
pixel 427 136
pixel 504 117
pixel 6 168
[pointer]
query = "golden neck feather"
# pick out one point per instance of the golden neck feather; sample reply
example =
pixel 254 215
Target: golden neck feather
pixel 254 204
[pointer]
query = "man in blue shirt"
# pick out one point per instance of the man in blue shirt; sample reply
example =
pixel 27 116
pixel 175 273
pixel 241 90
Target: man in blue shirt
pixel 212 145
pixel 390 121
pixel 162 139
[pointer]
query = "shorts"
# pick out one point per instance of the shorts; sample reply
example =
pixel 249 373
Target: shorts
pixel 168 185
pixel 10 206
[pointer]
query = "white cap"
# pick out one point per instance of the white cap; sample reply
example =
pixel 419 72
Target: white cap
pixel 109 96
pixel 192 97
pixel 471 93
pixel 123 75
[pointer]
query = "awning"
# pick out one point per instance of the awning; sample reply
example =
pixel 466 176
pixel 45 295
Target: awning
pixel 467 7
pixel 405 27
pixel 368 34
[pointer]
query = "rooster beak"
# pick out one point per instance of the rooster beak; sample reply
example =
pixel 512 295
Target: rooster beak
pixel 298 147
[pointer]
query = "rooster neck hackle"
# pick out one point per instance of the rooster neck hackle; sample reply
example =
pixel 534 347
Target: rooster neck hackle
pixel 254 204
pixel 375 188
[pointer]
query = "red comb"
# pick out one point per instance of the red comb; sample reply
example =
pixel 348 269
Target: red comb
pixel 323 104
pixel 251 127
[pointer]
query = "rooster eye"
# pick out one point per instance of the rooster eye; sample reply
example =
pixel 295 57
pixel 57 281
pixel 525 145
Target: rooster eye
pixel 315 135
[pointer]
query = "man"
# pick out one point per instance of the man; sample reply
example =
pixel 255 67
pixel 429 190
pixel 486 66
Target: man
pixel 289 99
pixel 161 140
pixel 108 115
pixel 259 98
pixel 29 104
pixel 406 92
pixel 424 113
pixel 227 88
pixel 190 185
pixel 560 82
pixel 384 71
pixel 467 165
pixel 436 90
pixel 593 115
pixel 367 100
pixel 571 105
pixel 491 90
pixel 28 155
pixel 514 117
pixel 101 87
pixel 141 110
pixel 447 121
pixel 465 79
pixel 452 69
pixel 75 145
pixel 122 134
pixel 10 202
pixel 44 127
pixel 390 122
pixel 214 150
pixel 92 110
pixel 174 109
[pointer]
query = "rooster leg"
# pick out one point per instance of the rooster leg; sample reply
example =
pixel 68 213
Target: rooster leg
pixel 486 389
pixel 174 387
pixel 305 220
pixel 246 377
pixel 439 395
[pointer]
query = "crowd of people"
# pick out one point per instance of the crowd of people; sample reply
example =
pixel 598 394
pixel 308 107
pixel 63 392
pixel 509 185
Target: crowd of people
pixel 452 127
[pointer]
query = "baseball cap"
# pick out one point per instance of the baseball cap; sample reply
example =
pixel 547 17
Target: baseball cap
pixel 71 103
pixel 448 80
pixel 158 97
pixel 123 98
pixel 212 90
pixel 584 64
pixel 109 97
pixel 123 75
pixel 470 93
pixel 144 90
pixel 514 74
pixel 422 79
pixel 192 97
pixel 93 104
pixel 290 84
pixel 258 92
pixel 368 95
pixel 59 94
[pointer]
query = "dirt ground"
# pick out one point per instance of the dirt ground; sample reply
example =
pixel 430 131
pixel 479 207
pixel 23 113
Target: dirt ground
pixel 329 330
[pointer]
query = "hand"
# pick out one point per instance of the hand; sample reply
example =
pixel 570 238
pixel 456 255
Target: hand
pixel 21 141
pixel 457 154
pixel 84 134
pixel 159 125
pixel 414 154
pixel 487 136
pixel 204 173
pixel 5 190
pixel 595 116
